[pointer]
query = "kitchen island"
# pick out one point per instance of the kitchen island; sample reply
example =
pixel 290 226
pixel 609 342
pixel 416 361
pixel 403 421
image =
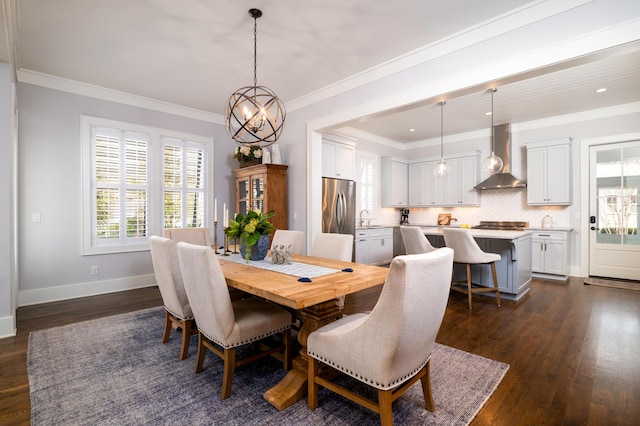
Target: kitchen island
pixel 513 269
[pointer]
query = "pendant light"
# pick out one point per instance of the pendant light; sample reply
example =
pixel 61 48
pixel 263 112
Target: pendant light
pixel 254 115
pixel 442 168
pixel 493 163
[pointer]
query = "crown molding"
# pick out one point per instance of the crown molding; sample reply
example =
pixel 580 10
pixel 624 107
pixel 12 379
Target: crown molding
pixel 93 91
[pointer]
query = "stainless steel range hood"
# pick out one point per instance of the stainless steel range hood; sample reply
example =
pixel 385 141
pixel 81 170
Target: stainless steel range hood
pixel 502 148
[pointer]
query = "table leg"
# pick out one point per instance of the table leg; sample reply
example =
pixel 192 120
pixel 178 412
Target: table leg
pixel 293 387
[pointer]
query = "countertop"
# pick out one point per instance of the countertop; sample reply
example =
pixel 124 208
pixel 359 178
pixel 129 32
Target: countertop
pixel 481 233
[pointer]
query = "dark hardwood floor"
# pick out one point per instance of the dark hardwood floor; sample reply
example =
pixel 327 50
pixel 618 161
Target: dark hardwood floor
pixel 573 350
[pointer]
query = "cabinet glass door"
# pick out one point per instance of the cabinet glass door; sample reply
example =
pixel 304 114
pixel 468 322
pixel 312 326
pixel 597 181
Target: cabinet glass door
pixel 257 185
pixel 243 196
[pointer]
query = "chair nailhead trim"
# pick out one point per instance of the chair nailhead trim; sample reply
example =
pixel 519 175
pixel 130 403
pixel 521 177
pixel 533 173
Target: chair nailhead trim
pixel 244 342
pixel 386 386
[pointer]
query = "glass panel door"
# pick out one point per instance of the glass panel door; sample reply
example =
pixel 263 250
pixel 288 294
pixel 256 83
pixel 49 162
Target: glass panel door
pixel 615 186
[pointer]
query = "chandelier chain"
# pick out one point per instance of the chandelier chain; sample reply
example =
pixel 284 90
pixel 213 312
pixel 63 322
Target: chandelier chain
pixel 255 51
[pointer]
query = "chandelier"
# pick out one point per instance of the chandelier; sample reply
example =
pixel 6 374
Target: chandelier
pixel 254 115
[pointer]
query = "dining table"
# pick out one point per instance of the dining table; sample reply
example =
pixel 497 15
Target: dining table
pixel 309 285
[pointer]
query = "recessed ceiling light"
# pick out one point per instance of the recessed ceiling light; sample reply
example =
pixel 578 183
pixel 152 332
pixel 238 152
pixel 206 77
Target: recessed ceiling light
pixel 488 113
pixel 412 130
pixel 601 90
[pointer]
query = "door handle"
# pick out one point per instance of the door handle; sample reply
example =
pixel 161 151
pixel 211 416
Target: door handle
pixel 593 228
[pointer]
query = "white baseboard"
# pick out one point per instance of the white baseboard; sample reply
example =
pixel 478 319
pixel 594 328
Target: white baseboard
pixel 7 327
pixel 73 291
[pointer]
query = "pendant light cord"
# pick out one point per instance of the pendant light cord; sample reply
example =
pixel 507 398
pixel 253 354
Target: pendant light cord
pixel 442 130
pixel 493 130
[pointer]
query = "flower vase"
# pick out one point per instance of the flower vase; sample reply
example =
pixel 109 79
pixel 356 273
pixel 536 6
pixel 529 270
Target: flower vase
pixel 258 251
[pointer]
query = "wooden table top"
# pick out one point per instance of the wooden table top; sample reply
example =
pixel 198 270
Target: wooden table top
pixel 286 290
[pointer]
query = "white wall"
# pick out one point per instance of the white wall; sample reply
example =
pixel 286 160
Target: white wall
pixel 51 264
pixel 7 318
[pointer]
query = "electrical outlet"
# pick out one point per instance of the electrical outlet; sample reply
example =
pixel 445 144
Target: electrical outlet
pixel 94 270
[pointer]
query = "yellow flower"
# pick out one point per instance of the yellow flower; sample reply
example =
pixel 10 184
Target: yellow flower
pixel 251 226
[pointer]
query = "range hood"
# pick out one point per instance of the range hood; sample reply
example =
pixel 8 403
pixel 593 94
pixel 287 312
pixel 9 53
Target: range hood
pixel 502 148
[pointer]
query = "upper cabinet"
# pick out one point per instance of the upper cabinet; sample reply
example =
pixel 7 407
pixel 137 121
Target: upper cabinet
pixel 421 184
pixel 338 160
pixel 464 174
pixel 549 172
pixel 455 189
pixel 393 182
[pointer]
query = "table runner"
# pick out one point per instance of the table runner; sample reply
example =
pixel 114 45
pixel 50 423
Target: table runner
pixel 297 269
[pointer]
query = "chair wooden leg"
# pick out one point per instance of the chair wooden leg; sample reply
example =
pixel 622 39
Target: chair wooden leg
pixel 201 353
pixel 495 281
pixel 312 391
pixel 469 284
pixel 227 375
pixel 167 327
pixel 186 338
pixel 426 388
pixel 385 399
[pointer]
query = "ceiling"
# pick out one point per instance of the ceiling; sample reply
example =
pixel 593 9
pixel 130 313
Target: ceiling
pixel 196 54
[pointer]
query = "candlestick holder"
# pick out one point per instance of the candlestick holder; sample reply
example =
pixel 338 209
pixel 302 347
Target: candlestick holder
pixel 215 236
pixel 226 251
pixel 235 249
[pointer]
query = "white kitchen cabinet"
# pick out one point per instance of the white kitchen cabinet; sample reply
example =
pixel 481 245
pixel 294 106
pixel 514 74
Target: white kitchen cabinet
pixel 464 174
pixel 394 188
pixel 550 257
pixel 455 189
pixel 421 184
pixel 549 172
pixel 374 246
pixel 338 160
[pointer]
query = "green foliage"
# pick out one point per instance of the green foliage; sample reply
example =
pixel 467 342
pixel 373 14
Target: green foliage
pixel 250 227
pixel 618 231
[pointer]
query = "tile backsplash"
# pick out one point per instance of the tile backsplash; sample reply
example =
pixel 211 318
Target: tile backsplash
pixel 503 205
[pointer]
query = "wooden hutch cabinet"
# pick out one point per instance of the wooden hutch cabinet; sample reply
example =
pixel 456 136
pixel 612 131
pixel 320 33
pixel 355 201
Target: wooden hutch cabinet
pixel 263 187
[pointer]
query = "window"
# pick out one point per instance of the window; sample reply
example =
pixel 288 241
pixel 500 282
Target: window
pixel 138 180
pixel 367 177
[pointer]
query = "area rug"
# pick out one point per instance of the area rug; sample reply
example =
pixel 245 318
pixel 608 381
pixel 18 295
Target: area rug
pixel 116 371
pixel 613 283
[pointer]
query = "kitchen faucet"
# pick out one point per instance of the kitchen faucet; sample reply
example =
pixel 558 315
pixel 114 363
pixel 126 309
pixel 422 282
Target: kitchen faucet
pixel 362 221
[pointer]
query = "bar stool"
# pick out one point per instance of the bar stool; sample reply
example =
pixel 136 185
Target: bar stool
pixel 467 252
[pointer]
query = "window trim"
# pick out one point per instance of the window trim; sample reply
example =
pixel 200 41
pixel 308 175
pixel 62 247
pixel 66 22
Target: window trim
pixel 155 173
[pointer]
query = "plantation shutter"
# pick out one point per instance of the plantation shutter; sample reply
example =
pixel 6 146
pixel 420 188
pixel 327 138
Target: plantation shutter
pixel 184 183
pixel 121 185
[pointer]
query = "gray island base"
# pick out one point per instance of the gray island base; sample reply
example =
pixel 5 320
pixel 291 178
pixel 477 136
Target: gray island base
pixel 513 269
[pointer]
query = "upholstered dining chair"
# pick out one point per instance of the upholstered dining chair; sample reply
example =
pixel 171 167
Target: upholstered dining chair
pixel 415 242
pixel 287 238
pixel 466 251
pixel 389 348
pixel 198 236
pixel 225 325
pixel 333 246
pixel 336 247
pixel 166 268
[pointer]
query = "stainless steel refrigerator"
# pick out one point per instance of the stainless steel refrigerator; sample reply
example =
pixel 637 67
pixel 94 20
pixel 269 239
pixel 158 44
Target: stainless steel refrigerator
pixel 338 206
